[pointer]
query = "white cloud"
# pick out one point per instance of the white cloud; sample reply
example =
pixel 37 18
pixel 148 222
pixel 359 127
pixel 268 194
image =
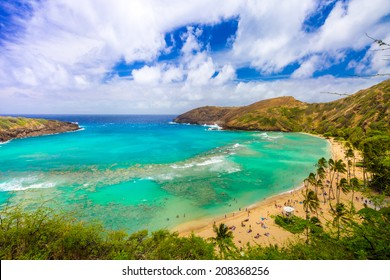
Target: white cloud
pixel 129 97
pixel 59 62
pixel 90 36
pixel 346 25
pixel 147 75
pixel 172 74
pixel 307 68
pixel 200 73
pixel 226 74
pixel 270 33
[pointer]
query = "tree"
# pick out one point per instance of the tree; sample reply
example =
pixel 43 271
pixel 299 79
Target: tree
pixel 321 165
pixel 349 154
pixel 223 240
pixel 376 156
pixel 331 172
pixel 342 186
pixel 354 185
pixel 340 215
pixel 311 180
pixel 310 203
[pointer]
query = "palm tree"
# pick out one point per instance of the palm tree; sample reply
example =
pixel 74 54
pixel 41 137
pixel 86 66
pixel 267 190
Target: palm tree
pixel 342 186
pixel 311 203
pixel 340 215
pixel 312 180
pixel 322 163
pixel 322 188
pixel 349 154
pixel 354 184
pixel 321 174
pixel 224 240
pixel 331 173
pixel 337 167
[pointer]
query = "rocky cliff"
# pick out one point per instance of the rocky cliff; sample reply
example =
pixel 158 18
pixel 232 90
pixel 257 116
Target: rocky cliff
pixel 18 127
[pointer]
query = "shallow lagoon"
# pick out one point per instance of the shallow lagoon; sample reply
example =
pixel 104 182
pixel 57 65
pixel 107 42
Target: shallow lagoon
pixel 144 172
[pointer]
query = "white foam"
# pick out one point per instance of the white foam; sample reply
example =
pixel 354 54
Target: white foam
pixel 233 170
pixel 172 123
pixel 212 127
pixel 183 166
pixel 24 184
pixel 265 136
pixel 165 177
pixel 6 142
pixel 210 161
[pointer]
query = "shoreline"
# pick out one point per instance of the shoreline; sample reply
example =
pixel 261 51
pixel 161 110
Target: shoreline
pixel 32 127
pixel 254 224
pixel 47 134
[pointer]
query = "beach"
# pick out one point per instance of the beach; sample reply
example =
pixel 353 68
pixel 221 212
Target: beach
pixel 255 224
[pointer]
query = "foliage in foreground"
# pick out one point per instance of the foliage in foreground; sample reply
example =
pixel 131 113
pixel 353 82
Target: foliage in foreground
pixel 44 235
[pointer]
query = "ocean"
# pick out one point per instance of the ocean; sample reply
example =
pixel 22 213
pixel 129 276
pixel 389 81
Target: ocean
pixel 136 172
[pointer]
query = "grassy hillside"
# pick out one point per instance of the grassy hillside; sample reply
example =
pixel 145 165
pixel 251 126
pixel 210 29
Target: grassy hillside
pixel 365 109
pixel 362 119
pixel 280 114
pixel 10 123
pixel 18 127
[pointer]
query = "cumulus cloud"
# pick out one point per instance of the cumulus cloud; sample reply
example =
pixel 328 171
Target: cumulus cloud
pixel 147 75
pixel 307 68
pixel 271 36
pixel 59 60
pixel 226 74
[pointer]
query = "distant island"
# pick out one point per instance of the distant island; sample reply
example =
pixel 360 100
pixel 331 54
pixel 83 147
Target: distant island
pixel 364 109
pixel 20 127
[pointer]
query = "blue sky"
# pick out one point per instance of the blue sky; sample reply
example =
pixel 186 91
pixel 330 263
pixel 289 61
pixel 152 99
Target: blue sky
pixel 153 57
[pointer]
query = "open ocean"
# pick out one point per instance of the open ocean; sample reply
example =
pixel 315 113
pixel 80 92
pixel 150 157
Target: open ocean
pixel 137 172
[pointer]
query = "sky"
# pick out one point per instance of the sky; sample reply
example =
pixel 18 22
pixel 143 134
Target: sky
pixel 170 56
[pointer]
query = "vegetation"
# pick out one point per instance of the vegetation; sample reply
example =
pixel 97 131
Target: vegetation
pixel 15 122
pixel 223 240
pixel 45 235
pixel 18 127
pixel 362 120
pixel 292 224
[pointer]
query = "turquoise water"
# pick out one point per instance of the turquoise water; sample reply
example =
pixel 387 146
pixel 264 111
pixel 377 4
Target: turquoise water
pixel 144 172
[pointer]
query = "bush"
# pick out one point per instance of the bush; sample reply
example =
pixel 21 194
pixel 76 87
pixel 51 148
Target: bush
pixel 292 224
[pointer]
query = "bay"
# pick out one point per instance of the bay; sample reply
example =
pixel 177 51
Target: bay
pixel 137 172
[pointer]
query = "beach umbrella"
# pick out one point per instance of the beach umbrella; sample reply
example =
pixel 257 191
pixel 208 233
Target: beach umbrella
pixel 288 209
